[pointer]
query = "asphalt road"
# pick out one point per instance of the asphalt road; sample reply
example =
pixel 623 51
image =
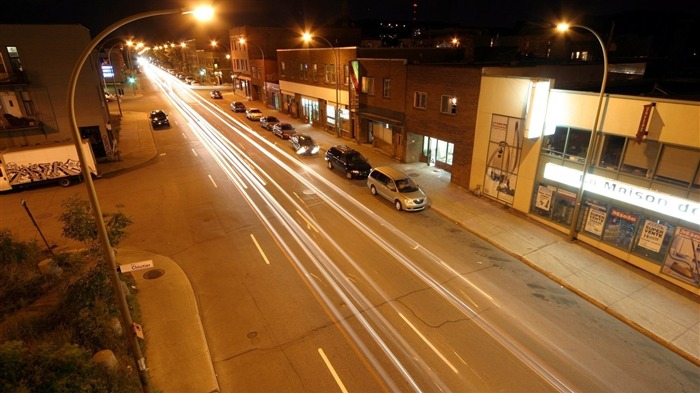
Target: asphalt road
pixel 307 283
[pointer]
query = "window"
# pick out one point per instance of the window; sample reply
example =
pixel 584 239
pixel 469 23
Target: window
pixel 303 71
pixel 368 85
pixel 611 153
pixel 346 74
pixel 448 104
pixel 28 103
pixel 386 92
pixel 640 157
pixel 677 165
pixel 569 143
pixel 282 69
pixel 330 73
pixel 314 72
pixel 420 100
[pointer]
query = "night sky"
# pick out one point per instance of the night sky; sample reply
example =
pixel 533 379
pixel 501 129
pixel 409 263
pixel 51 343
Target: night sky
pixel 98 14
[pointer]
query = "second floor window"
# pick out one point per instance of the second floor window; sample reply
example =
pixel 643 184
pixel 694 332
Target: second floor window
pixel 329 73
pixel 448 104
pixel 386 91
pixel 420 100
pixel 368 85
pixel 314 72
pixel 282 69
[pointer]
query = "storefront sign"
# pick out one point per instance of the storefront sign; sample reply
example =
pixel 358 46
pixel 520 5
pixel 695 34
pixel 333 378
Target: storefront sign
pixel 666 204
pixel 544 198
pixel 595 220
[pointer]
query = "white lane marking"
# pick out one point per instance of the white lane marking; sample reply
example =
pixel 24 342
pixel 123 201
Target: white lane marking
pixel 260 250
pixel 425 339
pixel 332 370
pixel 195 153
pixel 185 136
pixel 308 223
pixel 213 182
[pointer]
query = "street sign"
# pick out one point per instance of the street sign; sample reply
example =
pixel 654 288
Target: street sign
pixel 130 267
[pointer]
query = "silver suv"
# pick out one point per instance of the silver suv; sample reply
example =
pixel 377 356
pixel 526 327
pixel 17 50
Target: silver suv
pixel 397 187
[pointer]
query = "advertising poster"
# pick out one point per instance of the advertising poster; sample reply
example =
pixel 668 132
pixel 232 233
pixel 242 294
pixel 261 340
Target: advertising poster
pixel 652 236
pixel 682 259
pixel 620 228
pixel 544 198
pixel 595 219
pixel 505 146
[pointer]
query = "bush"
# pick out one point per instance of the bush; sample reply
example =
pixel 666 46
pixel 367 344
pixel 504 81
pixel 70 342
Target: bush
pixel 79 224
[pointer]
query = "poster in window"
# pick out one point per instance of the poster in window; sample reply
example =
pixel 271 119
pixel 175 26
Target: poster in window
pixel 543 201
pixel 653 239
pixel 595 218
pixel 683 255
pixel 563 208
pixel 505 146
pixel 620 228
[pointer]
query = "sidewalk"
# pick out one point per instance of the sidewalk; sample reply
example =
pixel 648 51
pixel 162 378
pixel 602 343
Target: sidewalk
pixel 666 314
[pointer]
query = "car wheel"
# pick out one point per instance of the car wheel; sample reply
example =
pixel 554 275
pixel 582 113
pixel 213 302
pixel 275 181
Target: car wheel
pixel 348 175
pixel 373 190
pixel 64 182
pixel 398 206
pixel 330 164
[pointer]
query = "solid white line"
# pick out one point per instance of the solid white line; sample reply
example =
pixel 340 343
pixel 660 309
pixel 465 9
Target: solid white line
pixel 260 250
pixel 212 181
pixel 195 153
pixel 444 359
pixel 332 370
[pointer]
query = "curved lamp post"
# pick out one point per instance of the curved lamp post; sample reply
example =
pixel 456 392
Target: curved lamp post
pixel 107 251
pixel 307 37
pixel 243 40
pixel 590 153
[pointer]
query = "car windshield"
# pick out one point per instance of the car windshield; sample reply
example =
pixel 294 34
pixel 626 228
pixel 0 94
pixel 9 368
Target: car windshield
pixel 287 127
pixel 406 185
pixel 255 111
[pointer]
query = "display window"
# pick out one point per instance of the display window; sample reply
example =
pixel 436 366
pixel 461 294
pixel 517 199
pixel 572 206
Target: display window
pixel 620 228
pixel 595 215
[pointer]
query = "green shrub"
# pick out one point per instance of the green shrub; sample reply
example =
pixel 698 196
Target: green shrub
pixel 79 224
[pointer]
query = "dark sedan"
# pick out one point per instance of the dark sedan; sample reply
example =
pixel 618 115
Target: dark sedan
pixel 215 94
pixel 303 144
pixel 283 130
pixel 267 122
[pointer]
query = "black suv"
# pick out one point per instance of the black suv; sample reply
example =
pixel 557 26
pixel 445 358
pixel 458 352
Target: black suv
pixel 349 161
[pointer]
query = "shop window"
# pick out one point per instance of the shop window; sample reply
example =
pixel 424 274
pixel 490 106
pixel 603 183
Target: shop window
pixel 314 72
pixel 420 100
pixel 639 157
pixel 677 165
pixel 611 153
pixel 386 91
pixel 448 105
pixel 368 85
pixel 620 228
pixel 653 238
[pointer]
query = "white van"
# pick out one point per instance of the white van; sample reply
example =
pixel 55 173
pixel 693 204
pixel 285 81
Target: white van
pixel 397 187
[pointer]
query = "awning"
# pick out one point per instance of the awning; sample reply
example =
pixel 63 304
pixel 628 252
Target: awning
pixel 371 116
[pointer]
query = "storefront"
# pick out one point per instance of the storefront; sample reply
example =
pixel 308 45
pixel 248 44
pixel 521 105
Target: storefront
pixel 640 195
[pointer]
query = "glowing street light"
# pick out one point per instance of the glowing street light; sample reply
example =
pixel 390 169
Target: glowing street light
pixel 107 251
pixel 590 153
pixel 307 37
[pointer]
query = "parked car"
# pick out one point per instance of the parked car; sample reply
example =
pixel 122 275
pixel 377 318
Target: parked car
pixel 397 187
pixel 349 161
pixel 215 94
pixel 189 79
pixel 110 97
pixel 253 114
pixel 267 122
pixel 283 130
pixel 159 119
pixel 303 144
pixel 237 106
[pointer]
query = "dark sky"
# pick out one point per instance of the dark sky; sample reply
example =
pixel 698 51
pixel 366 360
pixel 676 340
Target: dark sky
pixel 98 14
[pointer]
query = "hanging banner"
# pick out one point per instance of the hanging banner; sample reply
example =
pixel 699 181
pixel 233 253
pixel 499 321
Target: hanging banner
pixel 643 122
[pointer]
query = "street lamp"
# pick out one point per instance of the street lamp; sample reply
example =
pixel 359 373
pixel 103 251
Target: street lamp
pixel 590 153
pixel 107 251
pixel 307 37
pixel 243 40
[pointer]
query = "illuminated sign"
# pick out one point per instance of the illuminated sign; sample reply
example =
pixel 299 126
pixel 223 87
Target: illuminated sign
pixel 645 198
pixel 107 71
pixel 536 109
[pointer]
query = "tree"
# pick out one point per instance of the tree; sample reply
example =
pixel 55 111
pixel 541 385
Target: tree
pixel 79 223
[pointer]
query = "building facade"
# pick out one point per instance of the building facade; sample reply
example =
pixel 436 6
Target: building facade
pixel 638 194
pixel 36 62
